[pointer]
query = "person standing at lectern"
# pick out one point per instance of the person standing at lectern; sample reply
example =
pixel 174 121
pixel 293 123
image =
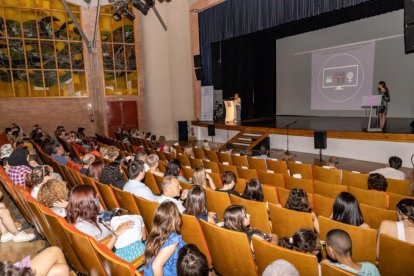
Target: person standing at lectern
pixel 383 108
pixel 237 103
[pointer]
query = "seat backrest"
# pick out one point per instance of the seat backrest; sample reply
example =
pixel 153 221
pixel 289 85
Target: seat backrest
pixel 225 157
pixel 112 264
pixel 22 204
pixel 147 210
pixel 285 222
pixel 213 166
pixel 394 199
pixel 184 160
pixel 247 173
pixel 373 216
pixel 259 218
pixel 76 176
pixel 159 180
pixel 329 190
pixel 196 162
pixel 82 245
pixel 240 185
pixel 185 185
pixel 68 176
pixel 400 187
pixel 266 253
pixel 170 156
pixel 62 240
pixel 217 202
pixel 108 195
pixel 193 234
pixel 152 183
pixel 211 155
pixel 364 241
pixel 322 206
pixel 161 155
pixel 370 197
pixel 89 181
pixel 277 166
pixel 305 184
pixel 126 201
pixel 240 161
pixel 224 168
pixel 223 244
pixel 257 164
pixel 270 194
pixel 332 270
pixel 188 172
pixel 198 153
pixel 359 180
pixel 218 182
pixel 273 179
pixel 305 170
pixel 395 256
pixel 332 176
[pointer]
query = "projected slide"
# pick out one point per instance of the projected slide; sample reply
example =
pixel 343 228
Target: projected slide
pixel 341 76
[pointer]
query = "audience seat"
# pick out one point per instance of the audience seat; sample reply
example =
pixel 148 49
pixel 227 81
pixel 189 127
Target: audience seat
pixel 161 155
pixel 333 176
pixel 266 253
pixel 257 164
pixel 273 179
pixel 216 177
pixel 400 187
pixel 224 168
pixel 247 174
pixel 89 181
pixel 188 173
pixel 285 222
pixel 126 201
pixel 240 161
pixel 305 170
pixel 304 184
pixel 270 194
pixel 198 153
pixel 217 202
pixel 277 166
pixel 331 270
pixel 184 160
pixel 185 185
pixel 170 156
pixel 230 251
pixel 395 256
pixel 329 190
pixel 225 157
pixel 159 180
pixel 394 199
pixel 373 216
pixel 152 183
pixel 147 210
pixel 259 218
pixel 213 166
pixel 240 185
pixel 364 240
pixel 322 206
pixel 108 196
pixel 370 197
pixel 211 155
pixel 359 180
pixel 196 162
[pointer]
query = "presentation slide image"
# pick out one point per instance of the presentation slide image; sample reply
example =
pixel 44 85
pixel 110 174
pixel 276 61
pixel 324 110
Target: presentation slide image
pixel 340 77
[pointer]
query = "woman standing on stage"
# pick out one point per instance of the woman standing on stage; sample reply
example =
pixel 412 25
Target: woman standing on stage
pixel 237 103
pixel 383 108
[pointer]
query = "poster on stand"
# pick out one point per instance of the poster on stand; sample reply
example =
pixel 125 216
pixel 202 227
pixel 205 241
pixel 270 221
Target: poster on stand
pixel 207 98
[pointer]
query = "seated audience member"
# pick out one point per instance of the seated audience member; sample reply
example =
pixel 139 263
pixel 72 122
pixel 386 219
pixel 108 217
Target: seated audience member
pixel 253 190
pixel 377 182
pixel 346 210
pixel 37 178
pixel 19 167
pixel 142 155
pixel 228 149
pixel 403 229
pixel 8 229
pixel 82 211
pixel 229 182
pixel 188 150
pixel 59 154
pixel 191 262
pixel 171 190
pixel 162 145
pixel 87 161
pixel 174 169
pixel 164 241
pixel 5 151
pixel 153 163
pixel 95 170
pixel 50 261
pixel 339 249
pixel 280 268
pixel 134 185
pixel 392 169
pixel 298 201
pixel 54 195
pixel 303 240
pixel 153 140
pixel 263 152
pixel 202 178
pixel 109 152
pixel 147 135
pixel 205 145
pixel 112 174
pixel 333 162
pixel 237 219
pixel 196 205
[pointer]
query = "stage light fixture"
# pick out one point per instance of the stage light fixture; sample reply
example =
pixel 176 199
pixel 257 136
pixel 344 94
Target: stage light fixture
pixel 150 3
pixel 117 16
pixel 143 7
pixel 127 13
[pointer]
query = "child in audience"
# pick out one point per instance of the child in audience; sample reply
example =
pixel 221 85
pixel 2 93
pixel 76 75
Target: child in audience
pixel 191 262
pixel 377 182
pixel 346 210
pixel 253 191
pixel 339 249
pixel 54 195
pixel 237 219
pixel 202 178
pixel 196 205
pixel 164 241
pixel 303 240
pixel 229 182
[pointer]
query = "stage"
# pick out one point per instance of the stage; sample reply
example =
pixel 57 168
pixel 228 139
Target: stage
pixel 397 129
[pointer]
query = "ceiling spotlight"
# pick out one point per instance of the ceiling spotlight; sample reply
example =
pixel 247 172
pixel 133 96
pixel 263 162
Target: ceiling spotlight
pixel 143 7
pixel 150 3
pixel 117 16
pixel 127 13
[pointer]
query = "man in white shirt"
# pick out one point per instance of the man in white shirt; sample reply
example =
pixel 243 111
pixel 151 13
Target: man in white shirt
pixel 391 170
pixel 171 189
pixel 136 174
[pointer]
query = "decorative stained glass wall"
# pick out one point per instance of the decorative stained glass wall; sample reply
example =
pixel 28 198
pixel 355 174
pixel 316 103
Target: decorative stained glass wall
pixel 41 52
pixel 118 53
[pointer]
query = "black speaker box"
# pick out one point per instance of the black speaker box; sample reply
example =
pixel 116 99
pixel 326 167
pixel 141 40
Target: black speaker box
pixel 408 12
pixel 182 131
pixel 319 139
pixel 198 61
pixel 409 39
pixel 211 130
pixel 199 73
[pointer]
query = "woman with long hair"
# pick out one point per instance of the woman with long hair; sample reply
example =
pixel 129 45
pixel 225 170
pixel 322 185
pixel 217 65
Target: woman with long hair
pixel 303 240
pixel 196 205
pixel 164 241
pixel 383 108
pixel 253 190
pixel 346 210
pixel 95 170
pixel 202 178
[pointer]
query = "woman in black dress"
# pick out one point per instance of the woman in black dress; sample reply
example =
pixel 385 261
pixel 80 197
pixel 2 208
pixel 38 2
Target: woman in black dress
pixel 383 108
